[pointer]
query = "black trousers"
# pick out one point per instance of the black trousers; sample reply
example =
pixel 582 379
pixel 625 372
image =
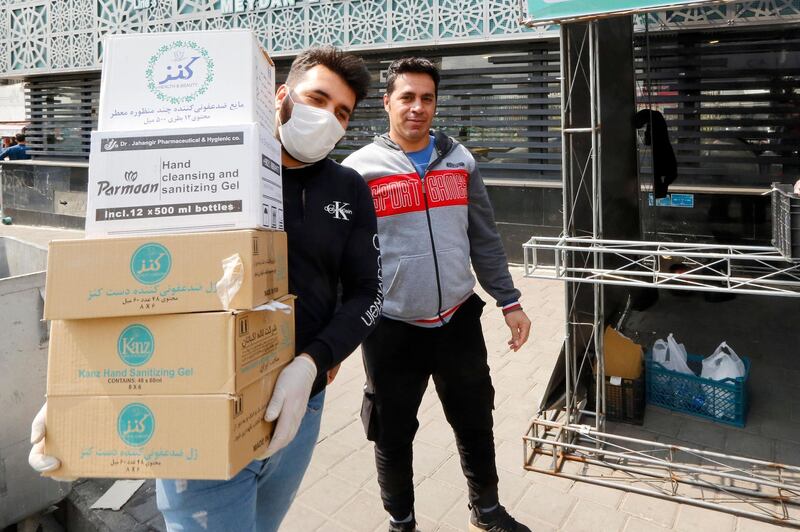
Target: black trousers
pixel 399 359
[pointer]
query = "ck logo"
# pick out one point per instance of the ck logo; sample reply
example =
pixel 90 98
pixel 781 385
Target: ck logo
pixel 339 210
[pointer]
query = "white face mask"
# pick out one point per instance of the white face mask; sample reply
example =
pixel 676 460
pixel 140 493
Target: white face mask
pixel 310 133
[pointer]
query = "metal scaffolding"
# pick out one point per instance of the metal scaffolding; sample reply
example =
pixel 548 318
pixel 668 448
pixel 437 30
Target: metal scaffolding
pixel 572 434
pixel 701 267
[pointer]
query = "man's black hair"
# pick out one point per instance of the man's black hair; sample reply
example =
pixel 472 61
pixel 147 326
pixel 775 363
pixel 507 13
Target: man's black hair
pixel 349 67
pixel 20 137
pixel 412 65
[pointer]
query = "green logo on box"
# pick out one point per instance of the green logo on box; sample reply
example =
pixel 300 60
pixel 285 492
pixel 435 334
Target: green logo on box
pixel 150 263
pixel 136 424
pixel 135 345
pixel 179 72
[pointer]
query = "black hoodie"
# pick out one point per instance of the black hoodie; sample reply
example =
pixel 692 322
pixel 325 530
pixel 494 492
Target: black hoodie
pixel 332 238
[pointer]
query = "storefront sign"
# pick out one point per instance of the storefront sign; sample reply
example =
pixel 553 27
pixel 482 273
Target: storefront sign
pixel 550 11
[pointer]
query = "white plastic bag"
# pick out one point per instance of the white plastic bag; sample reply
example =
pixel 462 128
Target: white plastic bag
pixel 723 364
pixel 671 355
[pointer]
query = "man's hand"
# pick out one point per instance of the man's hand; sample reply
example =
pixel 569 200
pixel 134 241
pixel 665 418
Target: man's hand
pixel 797 187
pixel 520 327
pixel 37 459
pixel 333 372
pixel 290 400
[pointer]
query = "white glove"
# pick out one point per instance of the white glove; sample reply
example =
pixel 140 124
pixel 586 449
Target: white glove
pixel 289 401
pixel 37 459
pixel 797 187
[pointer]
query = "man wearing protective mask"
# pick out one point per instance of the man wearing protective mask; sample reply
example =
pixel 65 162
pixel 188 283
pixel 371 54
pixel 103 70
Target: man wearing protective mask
pixel 331 227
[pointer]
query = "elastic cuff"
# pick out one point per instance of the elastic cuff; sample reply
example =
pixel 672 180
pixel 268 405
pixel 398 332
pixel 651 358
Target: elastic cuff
pixel 511 306
pixel 321 353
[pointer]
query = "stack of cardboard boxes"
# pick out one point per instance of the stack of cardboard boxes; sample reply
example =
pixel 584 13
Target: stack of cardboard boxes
pixel 161 362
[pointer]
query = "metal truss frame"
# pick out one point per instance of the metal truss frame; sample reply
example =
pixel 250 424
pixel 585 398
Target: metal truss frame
pixel 582 180
pixel 703 267
pixel 751 488
pixel 574 434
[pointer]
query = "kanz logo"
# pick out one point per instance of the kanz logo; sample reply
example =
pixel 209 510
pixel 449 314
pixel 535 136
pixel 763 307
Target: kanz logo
pixel 179 72
pixel 455 165
pixel 339 210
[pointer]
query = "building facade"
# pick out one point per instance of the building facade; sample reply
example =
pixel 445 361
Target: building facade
pixel 499 93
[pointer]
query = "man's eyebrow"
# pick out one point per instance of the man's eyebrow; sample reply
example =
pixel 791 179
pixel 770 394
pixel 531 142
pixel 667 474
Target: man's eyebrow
pixel 327 96
pixel 321 92
pixel 346 109
pixel 412 93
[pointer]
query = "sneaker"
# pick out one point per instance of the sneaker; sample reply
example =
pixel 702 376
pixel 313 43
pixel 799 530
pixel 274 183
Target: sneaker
pixel 408 526
pixel 497 520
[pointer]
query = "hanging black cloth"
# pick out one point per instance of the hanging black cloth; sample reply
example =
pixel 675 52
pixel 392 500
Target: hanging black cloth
pixel 665 166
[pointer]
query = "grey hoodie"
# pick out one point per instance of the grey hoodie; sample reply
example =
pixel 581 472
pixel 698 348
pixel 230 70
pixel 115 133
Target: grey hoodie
pixel 430 228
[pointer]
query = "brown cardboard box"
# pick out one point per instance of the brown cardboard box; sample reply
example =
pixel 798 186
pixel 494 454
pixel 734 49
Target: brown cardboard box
pixel 198 353
pixel 164 274
pixel 623 357
pixel 160 436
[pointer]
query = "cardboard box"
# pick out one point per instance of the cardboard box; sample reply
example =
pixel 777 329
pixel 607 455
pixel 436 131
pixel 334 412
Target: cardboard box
pixel 184 180
pixel 623 357
pixel 185 79
pixel 164 274
pixel 159 436
pixel 198 353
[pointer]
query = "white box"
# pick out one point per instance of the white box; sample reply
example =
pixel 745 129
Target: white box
pixel 186 79
pixel 184 180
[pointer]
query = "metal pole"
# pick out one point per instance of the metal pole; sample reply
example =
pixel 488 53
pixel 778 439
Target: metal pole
pixel 566 148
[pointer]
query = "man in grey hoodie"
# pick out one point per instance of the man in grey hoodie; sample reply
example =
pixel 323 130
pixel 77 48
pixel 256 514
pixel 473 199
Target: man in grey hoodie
pixel 434 220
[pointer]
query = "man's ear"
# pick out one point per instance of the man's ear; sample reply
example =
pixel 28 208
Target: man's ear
pixel 280 95
pixel 386 102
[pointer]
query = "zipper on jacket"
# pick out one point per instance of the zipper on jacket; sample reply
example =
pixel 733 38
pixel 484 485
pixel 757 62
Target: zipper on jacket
pixel 430 226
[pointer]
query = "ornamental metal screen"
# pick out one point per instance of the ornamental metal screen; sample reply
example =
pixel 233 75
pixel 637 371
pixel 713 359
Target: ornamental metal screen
pixel 59 36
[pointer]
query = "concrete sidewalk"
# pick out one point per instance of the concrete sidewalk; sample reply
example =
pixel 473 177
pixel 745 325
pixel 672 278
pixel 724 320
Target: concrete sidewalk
pixel 340 490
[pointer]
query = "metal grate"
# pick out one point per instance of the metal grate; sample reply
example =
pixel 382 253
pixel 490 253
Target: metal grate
pixel 503 105
pixel 62 112
pixel 731 100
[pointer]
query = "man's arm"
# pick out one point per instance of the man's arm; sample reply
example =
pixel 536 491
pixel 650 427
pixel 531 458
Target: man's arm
pixel 362 297
pixel 490 262
pixel 486 248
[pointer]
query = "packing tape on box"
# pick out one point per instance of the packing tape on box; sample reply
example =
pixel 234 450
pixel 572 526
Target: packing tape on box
pixel 275 306
pixel 231 281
